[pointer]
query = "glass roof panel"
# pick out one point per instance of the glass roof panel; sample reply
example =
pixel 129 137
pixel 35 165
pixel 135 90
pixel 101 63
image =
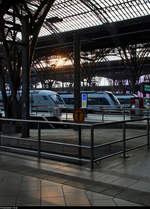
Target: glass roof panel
pixel 77 14
pixel 68 15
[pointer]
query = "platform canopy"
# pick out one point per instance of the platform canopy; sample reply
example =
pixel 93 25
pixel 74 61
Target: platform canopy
pixel 68 15
pixel 129 19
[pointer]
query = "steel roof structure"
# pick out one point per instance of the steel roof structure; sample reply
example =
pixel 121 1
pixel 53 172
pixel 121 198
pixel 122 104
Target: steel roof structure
pixel 68 15
pixel 100 22
pixel 110 35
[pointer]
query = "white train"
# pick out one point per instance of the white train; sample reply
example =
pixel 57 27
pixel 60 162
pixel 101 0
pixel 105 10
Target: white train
pixel 125 99
pixel 43 101
pixel 96 101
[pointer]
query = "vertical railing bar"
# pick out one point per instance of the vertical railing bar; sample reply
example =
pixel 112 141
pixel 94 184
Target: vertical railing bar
pixel 124 140
pixel 123 113
pixel 79 143
pixel 148 145
pixel 0 133
pixel 92 148
pixel 39 140
pixel 1 129
pixel 102 115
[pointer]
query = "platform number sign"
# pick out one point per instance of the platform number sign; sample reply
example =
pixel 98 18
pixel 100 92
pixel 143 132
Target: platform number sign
pixel 78 115
pixel 84 100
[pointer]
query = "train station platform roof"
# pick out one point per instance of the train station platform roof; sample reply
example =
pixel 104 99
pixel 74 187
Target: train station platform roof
pixel 95 17
pixel 99 24
pixel 108 35
pixel 69 15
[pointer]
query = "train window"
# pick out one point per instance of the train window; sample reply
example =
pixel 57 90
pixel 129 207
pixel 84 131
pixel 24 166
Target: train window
pixel 97 101
pixel 124 101
pixel 51 100
pixel 36 99
pixel 32 100
pixel 69 100
pixel 113 98
pixel 45 97
pixel 59 99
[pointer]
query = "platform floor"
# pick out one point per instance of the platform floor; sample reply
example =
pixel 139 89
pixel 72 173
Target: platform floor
pixel 27 181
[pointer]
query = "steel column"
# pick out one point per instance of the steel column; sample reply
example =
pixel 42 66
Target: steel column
pixel 77 95
pixel 25 75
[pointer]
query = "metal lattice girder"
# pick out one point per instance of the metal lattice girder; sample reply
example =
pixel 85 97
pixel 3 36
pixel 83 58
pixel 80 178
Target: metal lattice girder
pixel 113 70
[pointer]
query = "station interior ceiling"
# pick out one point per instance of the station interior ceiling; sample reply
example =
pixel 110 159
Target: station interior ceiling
pixel 114 28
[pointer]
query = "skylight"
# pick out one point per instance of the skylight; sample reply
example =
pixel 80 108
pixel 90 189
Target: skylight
pixel 78 14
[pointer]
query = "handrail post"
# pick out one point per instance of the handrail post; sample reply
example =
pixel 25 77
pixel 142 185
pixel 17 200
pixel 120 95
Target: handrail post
pixel 102 115
pixel 0 133
pixel 123 113
pixel 124 140
pixel 80 142
pixel 92 148
pixel 39 140
pixel 148 145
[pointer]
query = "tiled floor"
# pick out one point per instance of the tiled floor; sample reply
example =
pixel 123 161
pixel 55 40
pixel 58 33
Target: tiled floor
pixel 25 181
pixel 36 192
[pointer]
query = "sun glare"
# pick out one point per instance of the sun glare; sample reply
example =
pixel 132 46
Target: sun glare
pixel 60 62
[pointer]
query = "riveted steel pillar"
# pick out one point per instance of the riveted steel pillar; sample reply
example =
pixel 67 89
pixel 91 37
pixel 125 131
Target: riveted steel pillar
pixel 25 75
pixel 77 94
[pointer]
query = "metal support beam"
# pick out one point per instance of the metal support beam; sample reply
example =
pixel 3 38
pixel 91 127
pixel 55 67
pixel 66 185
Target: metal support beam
pixel 77 95
pixel 25 76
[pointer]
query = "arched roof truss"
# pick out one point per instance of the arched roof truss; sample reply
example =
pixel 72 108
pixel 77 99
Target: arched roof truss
pixel 68 15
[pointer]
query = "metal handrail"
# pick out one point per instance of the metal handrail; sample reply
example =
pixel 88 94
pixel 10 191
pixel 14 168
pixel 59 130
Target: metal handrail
pixel 80 146
pixel 46 122
pixel 124 140
pixel 118 122
pixel 124 111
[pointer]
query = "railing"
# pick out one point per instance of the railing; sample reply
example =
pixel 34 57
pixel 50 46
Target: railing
pixel 104 114
pixel 124 140
pixel 80 140
pixel 37 142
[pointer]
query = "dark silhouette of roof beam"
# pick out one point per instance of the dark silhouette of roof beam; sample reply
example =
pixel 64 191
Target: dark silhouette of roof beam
pixel 54 19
